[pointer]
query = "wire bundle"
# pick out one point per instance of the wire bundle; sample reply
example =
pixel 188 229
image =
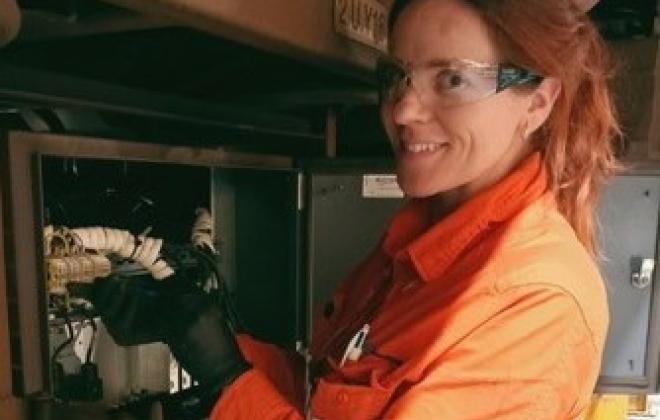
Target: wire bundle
pixel 202 231
pixel 67 261
pixel 142 249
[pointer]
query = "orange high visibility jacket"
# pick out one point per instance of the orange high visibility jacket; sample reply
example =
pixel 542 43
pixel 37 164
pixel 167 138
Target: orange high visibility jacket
pixel 495 312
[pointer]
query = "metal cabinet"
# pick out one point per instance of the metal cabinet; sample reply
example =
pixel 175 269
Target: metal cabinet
pixel 259 202
pixel 344 226
pixel 293 235
pixel 287 235
pixel 349 210
pixel 628 228
pixel 258 218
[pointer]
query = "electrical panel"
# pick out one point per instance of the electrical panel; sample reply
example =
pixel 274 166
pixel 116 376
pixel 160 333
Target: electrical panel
pixel 85 210
pixel 79 209
pixel 628 228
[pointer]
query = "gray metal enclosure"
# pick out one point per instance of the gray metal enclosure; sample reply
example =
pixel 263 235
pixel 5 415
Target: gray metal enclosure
pixel 291 236
pixel 258 221
pixel 344 226
pixel 628 217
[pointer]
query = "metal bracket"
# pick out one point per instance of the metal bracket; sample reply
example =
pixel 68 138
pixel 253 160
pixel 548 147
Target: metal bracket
pixel 641 271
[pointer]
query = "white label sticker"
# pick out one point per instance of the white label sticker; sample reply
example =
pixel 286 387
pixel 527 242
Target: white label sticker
pixel 380 186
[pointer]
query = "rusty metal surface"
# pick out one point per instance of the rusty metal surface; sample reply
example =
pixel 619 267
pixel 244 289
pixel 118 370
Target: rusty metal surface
pixel 302 28
pixel 298 28
pixel 75 146
pixel 37 25
pixel 13 408
pixel 7 405
pixel 364 21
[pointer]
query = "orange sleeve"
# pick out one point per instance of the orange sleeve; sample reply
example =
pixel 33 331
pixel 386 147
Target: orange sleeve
pixel 270 390
pixel 253 396
pixel 533 358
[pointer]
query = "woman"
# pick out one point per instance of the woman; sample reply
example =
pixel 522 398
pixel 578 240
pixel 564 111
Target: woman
pixel 483 300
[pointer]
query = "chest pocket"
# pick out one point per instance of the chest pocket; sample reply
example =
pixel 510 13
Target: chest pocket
pixel 350 402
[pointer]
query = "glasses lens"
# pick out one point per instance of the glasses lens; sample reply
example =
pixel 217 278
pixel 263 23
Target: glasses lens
pixel 458 83
pixel 448 83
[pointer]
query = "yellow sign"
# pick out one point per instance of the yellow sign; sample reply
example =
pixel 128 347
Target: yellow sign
pixel 362 20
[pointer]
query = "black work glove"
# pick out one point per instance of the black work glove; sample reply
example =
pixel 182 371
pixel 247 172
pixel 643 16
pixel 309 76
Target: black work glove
pixel 130 307
pixel 199 336
pixel 193 323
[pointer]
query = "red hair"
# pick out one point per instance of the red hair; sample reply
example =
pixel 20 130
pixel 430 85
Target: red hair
pixel 554 38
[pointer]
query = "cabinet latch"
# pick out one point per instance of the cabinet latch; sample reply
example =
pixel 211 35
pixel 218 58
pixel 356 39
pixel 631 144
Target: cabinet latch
pixel 641 271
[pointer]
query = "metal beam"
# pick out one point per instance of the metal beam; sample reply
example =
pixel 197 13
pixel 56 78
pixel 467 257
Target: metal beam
pixel 38 25
pixel 297 99
pixel 33 87
pixel 296 28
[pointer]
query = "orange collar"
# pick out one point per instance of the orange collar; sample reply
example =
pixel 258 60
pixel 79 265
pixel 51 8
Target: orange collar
pixel 432 250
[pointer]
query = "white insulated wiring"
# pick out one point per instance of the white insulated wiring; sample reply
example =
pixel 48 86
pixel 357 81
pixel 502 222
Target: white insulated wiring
pixel 202 231
pixel 142 249
pixel 203 237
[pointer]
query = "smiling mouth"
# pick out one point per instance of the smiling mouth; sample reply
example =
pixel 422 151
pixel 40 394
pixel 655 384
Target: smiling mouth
pixel 421 147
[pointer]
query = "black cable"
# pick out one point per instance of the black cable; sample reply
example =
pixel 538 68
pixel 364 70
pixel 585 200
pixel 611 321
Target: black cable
pixel 88 358
pixel 66 342
pixel 58 350
pixel 223 293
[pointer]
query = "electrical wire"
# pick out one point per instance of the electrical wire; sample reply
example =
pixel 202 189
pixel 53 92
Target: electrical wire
pixel 88 358
pixel 142 249
pixel 202 232
pixel 66 342
pixel 222 293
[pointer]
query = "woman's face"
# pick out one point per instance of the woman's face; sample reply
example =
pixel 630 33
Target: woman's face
pixel 460 148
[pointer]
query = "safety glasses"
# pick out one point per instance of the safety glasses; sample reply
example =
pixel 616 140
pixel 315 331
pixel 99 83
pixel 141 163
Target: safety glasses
pixel 448 83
